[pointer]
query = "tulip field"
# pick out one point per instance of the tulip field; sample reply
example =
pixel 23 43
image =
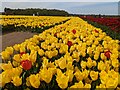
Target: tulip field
pixel 30 23
pixel 70 54
pixel 110 25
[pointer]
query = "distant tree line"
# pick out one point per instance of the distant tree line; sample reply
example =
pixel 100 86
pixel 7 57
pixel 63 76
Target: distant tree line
pixel 38 12
pixel 48 12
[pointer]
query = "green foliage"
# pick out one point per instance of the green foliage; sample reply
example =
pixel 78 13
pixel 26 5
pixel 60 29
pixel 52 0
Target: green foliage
pixel 31 11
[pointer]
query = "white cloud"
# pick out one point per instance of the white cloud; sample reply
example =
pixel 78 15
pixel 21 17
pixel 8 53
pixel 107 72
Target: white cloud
pixel 71 7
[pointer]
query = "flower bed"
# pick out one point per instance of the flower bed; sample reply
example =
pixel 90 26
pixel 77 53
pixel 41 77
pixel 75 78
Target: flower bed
pixel 71 55
pixel 109 25
pixel 30 23
pixel 112 23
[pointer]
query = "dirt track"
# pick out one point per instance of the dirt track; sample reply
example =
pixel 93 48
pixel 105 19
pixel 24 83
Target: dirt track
pixel 13 38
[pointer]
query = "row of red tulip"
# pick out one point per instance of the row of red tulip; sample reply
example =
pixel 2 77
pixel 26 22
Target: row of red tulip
pixel 112 22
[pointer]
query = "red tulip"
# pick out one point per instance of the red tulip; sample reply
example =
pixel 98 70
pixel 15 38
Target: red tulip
pixel 74 31
pixel 55 34
pixel 107 54
pixel 69 43
pixel 96 31
pixel 26 64
pixel 22 53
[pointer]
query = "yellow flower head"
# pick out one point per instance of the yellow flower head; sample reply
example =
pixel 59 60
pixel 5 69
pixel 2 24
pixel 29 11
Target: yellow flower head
pixel 62 81
pixel 25 57
pixel 9 50
pixel 16 71
pixel 17 57
pixel 115 63
pixel 5 55
pixel 101 86
pixel 85 73
pixel 46 75
pixel 101 65
pixel 103 57
pixel 70 74
pixel 78 85
pixel 34 81
pixel 83 64
pixel 62 63
pixel 33 56
pixel 16 47
pixel 17 81
pixel 87 86
pixel 112 83
pixel 40 52
pixel 22 49
pixel 94 75
pixel 6 76
pixel 89 62
pixel 79 75
pixel 6 66
pixel 69 66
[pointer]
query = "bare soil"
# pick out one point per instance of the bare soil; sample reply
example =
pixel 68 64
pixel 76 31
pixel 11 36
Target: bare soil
pixel 13 38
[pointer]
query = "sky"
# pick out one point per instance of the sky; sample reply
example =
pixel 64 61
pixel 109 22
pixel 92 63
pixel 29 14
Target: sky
pixel 104 7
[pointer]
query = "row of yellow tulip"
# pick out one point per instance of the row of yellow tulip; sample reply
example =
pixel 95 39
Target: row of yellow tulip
pixel 85 57
pixel 31 21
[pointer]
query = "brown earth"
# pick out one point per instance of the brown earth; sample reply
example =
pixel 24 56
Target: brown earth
pixel 13 38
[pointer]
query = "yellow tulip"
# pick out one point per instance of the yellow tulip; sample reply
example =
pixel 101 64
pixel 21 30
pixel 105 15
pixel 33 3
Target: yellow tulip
pixel 22 49
pixel 34 81
pixel 70 74
pixel 6 66
pixel 63 49
pixel 25 57
pixel 96 55
pixel 40 52
pixel 115 63
pixel 46 75
pixel 9 50
pixel 112 83
pixel 6 76
pixel 89 62
pixel 101 86
pixel 2 83
pixel 16 57
pixel 45 62
pixel 94 75
pixel 101 65
pixel 62 81
pixel 16 71
pixel 85 73
pixel 17 81
pixel 5 55
pixel 49 54
pixel 78 85
pixel 79 75
pixel 69 66
pixel 62 63
pixel 76 55
pixel 33 56
pixel 87 86
pixel 28 82
pixel 83 64
pixel 89 50
pixel 103 57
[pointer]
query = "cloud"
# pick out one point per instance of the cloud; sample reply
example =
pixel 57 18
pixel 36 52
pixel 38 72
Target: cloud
pixel 71 7
pixel 109 8
pixel 57 5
